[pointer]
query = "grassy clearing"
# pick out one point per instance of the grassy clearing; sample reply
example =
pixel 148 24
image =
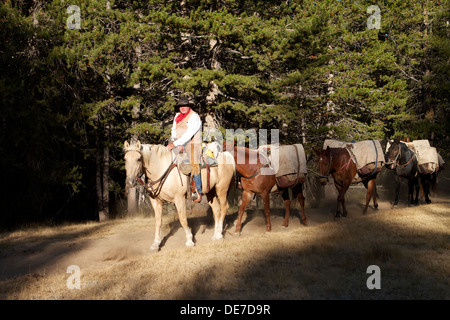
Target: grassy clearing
pixel 326 260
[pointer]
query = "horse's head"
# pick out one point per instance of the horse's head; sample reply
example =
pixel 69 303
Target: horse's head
pixel 324 164
pixel 133 163
pixel 393 153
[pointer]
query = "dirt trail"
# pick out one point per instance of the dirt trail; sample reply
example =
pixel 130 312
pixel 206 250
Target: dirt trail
pixel 99 245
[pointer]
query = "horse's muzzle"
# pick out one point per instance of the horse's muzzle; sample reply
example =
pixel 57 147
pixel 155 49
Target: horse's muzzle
pixel 390 165
pixel 131 183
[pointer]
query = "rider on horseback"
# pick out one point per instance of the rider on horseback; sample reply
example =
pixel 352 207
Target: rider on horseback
pixel 186 135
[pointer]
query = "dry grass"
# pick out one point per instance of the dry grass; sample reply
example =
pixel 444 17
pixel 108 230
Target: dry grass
pixel 326 260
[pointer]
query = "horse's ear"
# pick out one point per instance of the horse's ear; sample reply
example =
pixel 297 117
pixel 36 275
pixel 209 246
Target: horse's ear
pixel 316 151
pixel 138 145
pixel 126 145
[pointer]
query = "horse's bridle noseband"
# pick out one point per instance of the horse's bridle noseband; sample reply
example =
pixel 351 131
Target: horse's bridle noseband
pixel 329 168
pixel 396 161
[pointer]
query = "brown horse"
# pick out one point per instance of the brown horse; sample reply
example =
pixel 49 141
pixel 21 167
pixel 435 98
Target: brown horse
pixel 254 179
pixel 338 163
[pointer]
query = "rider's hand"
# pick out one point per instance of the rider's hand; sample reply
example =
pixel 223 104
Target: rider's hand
pixel 170 146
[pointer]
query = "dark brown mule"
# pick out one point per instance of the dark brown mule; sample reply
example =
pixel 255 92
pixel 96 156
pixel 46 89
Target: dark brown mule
pixel 254 179
pixel 338 163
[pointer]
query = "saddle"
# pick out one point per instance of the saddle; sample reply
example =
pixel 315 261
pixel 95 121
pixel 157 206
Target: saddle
pixel 208 159
pixel 288 162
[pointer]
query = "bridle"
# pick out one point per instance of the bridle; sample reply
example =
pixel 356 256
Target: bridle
pixel 329 167
pixel 396 161
pixel 153 190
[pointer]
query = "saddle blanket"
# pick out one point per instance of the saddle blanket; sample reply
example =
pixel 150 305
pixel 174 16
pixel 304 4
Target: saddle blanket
pixel 363 152
pixel 427 156
pixel 285 159
pixel 424 152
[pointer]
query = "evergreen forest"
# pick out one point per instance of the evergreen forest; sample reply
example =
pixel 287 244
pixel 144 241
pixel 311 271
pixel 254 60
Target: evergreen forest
pixel 80 77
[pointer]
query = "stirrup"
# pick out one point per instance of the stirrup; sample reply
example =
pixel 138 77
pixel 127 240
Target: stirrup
pixel 198 199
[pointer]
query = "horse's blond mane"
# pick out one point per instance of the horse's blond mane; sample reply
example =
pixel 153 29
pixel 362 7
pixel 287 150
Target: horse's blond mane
pixel 157 149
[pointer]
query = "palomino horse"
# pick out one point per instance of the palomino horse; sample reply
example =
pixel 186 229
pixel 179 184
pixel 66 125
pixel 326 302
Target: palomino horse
pixel 338 163
pixel 403 160
pixel 165 184
pixel 253 181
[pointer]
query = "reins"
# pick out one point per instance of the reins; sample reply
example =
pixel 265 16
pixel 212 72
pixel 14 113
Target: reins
pixel 256 173
pixel 154 192
pixel 328 171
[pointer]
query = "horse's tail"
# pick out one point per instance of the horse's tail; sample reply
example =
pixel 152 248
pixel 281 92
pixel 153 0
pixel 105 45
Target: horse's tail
pixel 375 190
pixel 433 183
pixel 228 158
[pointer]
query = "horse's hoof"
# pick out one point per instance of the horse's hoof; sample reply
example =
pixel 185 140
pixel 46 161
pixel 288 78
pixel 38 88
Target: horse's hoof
pixel 154 247
pixel 217 237
pixel 376 206
pixel 238 234
pixel 283 227
pixel 190 243
pixel 305 223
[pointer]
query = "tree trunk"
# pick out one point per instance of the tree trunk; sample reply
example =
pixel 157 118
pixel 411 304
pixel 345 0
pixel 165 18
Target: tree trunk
pixel 104 214
pixel 98 177
pixel 133 194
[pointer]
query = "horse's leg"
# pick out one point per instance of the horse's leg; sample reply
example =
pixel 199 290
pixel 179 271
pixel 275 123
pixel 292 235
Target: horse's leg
pixel 370 186
pixel 427 188
pixel 397 189
pixel 341 197
pixel 180 204
pixel 342 189
pixel 287 207
pixel 434 183
pixel 223 201
pixel 246 197
pixel 375 200
pixel 266 198
pixel 301 199
pixel 157 207
pixel 416 183
pixel 411 185
pixel 216 208
pixel 339 203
